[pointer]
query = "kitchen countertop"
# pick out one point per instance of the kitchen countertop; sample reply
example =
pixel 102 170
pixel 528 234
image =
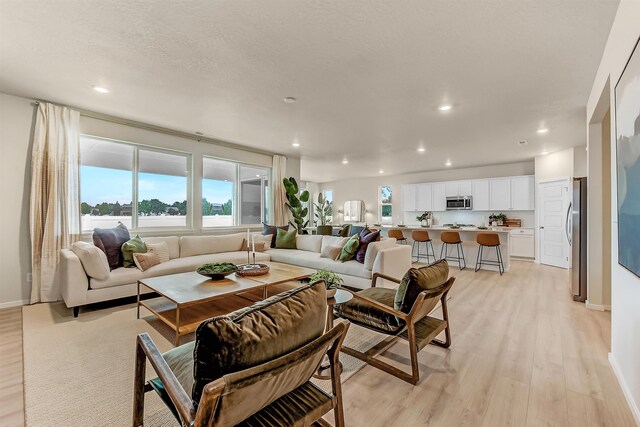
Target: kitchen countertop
pixel 443 228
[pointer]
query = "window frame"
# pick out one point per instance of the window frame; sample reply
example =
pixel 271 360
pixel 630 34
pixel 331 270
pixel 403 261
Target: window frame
pixel 135 170
pixel 381 204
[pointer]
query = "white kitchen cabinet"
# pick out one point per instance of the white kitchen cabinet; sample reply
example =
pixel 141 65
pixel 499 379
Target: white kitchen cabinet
pixel 465 188
pixel 451 188
pixel 438 197
pixel 500 194
pixel 423 197
pixel 409 198
pixel 522 191
pixel 522 243
pixel 480 192
pixel 458 188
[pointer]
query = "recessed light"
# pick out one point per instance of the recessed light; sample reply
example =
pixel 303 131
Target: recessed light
pixel 296 144
pixel 448 163
pixel 381 171
pixel 421 150
pixel 544 153
pixel 345 162
pixel 445 107
pixel 100 89
pixel 257 176
pixel 290 100
pixel 543 131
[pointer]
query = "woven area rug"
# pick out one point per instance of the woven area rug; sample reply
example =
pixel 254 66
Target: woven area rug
pixel 79 372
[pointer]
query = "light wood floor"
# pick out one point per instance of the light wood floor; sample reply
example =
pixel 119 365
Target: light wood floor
pixel 523 353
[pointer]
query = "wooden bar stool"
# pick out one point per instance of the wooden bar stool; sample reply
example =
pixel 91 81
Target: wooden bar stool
pixel 397 234
pixel 452 238
pixel 489 240
pixel 422 236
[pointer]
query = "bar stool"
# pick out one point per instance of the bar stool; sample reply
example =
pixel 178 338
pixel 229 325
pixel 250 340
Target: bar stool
pixel 489 240
pixel 422 236
pixel 452 238
pixel 397 234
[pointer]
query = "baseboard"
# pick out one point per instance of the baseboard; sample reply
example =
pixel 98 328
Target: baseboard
pixel 596 307
pixel 14 303
pixel 625 389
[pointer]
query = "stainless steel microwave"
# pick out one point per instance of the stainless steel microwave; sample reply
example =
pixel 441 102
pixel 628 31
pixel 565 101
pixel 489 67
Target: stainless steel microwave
pixel 459 203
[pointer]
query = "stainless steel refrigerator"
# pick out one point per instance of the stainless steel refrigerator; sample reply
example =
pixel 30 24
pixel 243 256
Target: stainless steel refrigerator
pixel 577 235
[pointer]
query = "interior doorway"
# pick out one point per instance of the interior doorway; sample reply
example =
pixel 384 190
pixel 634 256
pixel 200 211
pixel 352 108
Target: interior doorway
pixel 554 199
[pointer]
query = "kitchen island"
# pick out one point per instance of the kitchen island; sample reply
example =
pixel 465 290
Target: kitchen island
pixel 469 244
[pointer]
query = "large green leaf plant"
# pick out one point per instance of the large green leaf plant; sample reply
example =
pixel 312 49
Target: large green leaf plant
pixel 322 210
pixel 296 205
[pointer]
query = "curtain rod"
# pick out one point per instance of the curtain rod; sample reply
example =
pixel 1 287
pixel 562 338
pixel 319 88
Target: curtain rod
pixel 160 129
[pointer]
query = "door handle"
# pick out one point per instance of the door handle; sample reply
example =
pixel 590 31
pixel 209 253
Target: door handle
pixel 567 226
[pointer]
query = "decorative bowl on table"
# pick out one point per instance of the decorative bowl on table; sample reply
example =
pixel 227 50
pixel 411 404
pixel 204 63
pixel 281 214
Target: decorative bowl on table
pixel 217 270
pixel 455 227
pixel 482 227
pixel 252 269
pixel 402 225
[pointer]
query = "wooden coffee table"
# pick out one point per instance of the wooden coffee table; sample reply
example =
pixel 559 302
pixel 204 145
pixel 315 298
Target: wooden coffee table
pixel 188 299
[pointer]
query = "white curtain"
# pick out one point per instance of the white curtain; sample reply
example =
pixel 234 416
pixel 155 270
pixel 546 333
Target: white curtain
pixel 278 172
pixel 54 211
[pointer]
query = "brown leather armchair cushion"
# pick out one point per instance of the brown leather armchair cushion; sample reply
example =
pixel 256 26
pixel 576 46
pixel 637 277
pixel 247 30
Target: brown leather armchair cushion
pixel 364 314
pixel 257 334
pixel 417 280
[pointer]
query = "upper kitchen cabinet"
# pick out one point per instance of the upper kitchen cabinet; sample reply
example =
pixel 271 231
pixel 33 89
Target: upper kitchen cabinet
pixel 500 194
pixel 424 197
pixel 438 197
pixel 522 193
pixel 458 188
pixel 480 193
pixel 409 198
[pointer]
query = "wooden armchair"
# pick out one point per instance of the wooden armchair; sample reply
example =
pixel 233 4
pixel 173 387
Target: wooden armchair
pixel 402 313
pixel 276 392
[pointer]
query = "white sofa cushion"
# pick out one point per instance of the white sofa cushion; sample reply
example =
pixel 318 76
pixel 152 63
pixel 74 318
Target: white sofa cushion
pixel 332 241
pixel 119 276
pixel 93 260
pixel 309 242
pixel 313 260
pixel 201 245
pixel 161 250
pixel 173 242
pixel 374 248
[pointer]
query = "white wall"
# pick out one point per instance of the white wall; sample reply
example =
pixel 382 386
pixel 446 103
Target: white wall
pixel 366 189
pixel 625 292
pixel 554 165
pixel 580 161
pixel 16 122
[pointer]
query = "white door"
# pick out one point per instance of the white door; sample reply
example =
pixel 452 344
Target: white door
pixel 439 200
pixel 554 198
pixel 423 193
pixel 500 194
pixel 451 189
pixel 480 193
pixel 409 198
pixel 522 189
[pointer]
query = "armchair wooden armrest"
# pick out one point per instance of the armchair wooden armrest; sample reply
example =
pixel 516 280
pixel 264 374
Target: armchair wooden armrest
pixel 146 349
pixel 377 276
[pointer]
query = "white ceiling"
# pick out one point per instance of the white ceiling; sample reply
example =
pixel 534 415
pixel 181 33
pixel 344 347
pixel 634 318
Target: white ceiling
pixel 368 75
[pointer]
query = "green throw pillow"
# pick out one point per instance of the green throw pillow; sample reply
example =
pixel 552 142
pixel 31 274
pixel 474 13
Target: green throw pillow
pixel 286 239
pixel 349 249
pixel 133 246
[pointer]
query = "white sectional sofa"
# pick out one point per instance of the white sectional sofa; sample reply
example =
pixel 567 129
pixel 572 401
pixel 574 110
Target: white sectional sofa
pixel 187 253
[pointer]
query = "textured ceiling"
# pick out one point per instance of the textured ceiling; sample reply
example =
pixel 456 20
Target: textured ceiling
pixel 368 75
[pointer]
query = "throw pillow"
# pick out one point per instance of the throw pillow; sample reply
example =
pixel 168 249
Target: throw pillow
pixel 110 241
pixel 259 238
pixel 349 250
pixel 366 237
pixel 331 252
pixel 260 247
pixel 93 260
pixel 286 239
pixel 417 280
pixel 133 246
pixel 346 230
pixel 161 249
pixel 146 260
pixel 272 229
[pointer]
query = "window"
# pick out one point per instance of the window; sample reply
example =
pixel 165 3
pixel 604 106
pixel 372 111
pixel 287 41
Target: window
pixel 385 202
pixel 233 194
pixel 328 194
pixel 138 186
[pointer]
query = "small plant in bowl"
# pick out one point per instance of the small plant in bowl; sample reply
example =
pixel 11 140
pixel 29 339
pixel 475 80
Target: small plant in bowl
pixel 331 280
pixel 217 270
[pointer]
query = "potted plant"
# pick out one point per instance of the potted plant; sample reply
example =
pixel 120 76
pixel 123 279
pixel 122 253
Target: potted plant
pixel 296 207
pixel 425 219
pixel 331 280
pixel 501 218
pixel 322 212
